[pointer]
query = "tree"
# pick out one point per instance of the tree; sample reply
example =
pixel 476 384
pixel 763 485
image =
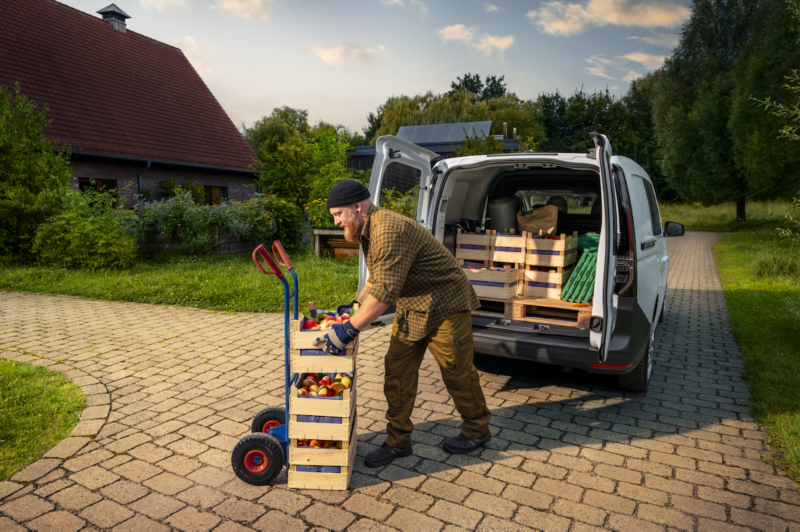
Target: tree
pixel 692 107
pixel 493 87
pixel 34 179
pixel 266 134
pixel 285 171
pixel 476 144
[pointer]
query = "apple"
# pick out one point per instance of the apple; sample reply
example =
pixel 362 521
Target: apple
pixel 302 391
pixel 330 444
pixel 338 377
pixel 347 381
pixel 345 317
pixel 315 444
pixel 339 444
pixel 338 387
pixel 312 393
pixel 308 382
pixel 327 381
pixel 313 388
pixel 324 391
pixel 308 324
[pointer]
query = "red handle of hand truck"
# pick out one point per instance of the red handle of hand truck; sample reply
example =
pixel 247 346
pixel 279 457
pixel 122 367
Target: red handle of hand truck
pixel 261 250
pixel 280 251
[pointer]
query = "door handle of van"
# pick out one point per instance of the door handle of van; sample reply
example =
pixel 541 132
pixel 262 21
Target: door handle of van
pixel 648 244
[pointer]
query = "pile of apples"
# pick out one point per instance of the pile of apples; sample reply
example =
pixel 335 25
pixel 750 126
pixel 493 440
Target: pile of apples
pixel 535 269
pixel 321 385
pixel 327 321
pixel 320 444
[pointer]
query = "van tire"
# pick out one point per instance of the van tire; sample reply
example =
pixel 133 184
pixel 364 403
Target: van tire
pixel 638 380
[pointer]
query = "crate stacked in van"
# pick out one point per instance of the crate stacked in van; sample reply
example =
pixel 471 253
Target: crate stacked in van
pixel 322 429
pixel 492 262
pixel 549 263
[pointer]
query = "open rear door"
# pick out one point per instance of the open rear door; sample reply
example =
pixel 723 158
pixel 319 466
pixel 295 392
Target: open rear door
pixel 604 311
pixel 399 164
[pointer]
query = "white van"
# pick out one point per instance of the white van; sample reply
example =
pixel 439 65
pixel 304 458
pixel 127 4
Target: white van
pixel 632 265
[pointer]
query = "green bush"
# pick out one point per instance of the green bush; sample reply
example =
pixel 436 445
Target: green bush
pixel 171 188
pixel 33 177
pixel 260 219
pixel 405 204
pixel 87 233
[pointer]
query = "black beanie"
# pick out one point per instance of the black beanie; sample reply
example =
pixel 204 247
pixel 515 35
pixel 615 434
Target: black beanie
pixel 347 192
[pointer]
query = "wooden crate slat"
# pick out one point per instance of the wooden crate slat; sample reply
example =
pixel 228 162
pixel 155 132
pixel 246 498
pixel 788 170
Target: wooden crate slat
pixel 322 407
pixel 322 481
pixel 322 431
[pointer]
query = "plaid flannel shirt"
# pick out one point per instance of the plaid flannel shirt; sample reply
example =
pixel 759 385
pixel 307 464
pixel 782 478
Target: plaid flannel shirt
pixel 409 268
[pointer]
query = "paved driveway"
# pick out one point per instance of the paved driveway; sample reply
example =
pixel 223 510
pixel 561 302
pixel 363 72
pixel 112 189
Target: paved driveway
pixel 170 390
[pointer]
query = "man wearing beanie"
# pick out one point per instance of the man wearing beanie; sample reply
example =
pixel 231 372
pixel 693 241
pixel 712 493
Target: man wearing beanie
pixel 409 268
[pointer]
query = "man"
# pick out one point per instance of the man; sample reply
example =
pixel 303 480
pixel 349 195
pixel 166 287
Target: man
pixel 409 268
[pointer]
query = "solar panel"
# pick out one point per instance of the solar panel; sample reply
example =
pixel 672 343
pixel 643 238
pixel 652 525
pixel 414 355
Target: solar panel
pixel 440 133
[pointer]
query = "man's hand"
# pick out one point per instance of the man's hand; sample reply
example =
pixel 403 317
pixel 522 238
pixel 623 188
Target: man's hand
pixel 337 337
pixel 341 309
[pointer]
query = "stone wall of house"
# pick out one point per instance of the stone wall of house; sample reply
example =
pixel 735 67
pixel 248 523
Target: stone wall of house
pixel 126 177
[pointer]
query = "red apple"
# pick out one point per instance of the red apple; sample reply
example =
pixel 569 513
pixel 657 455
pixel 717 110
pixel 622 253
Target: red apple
pixel 308 324
pixel 338 387
pixel 324 391
pixel 302 391
pixel 308 382
pixel 312 393
pixel 327 381
pixel 345 316
pixel 315 444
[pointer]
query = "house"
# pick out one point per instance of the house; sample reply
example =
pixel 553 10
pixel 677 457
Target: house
pixel 438 138
pixel 134 110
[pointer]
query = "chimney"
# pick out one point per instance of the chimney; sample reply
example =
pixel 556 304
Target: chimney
pixel 114 16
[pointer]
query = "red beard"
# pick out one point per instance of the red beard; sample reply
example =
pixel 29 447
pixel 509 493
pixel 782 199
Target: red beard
pixel 352 230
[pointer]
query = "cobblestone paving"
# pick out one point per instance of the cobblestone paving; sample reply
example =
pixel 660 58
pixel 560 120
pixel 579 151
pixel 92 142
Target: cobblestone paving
pixel 170 390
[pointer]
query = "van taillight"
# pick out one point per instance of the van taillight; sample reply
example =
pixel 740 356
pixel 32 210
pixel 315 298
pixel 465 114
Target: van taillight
pixel 625 266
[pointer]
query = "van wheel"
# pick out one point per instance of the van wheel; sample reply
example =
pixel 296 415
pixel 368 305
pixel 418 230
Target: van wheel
pixel 638 380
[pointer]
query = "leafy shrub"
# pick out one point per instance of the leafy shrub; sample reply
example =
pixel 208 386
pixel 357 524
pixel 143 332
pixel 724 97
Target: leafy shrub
pixel 87 233
pixel 33 178
pixel 260 219
pixel 319 213
pixel 171 188
pixel 405 204
pixel 774 259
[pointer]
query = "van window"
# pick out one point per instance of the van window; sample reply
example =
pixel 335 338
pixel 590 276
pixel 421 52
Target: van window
pixel 577 202
pixel 652 201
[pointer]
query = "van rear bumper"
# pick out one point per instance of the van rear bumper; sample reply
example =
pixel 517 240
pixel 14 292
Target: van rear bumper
pixel 628 343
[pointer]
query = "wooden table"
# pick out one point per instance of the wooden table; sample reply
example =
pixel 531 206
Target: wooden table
pixel 332 242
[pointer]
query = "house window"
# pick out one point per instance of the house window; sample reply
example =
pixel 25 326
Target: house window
pixel 215 194
pixel 99 185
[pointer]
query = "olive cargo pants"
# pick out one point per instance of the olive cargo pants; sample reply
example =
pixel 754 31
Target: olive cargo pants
pixel 451 345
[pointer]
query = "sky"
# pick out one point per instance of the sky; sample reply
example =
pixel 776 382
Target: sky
pixel 341 59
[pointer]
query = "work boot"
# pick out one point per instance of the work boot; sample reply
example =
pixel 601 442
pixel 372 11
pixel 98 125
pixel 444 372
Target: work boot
pixel 385 454
pixel 463 445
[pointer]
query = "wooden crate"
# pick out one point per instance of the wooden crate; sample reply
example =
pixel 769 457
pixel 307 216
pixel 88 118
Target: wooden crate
pixel 537 310
pixel 322 406
pixel 560 252
pixel 483 240
pixel 307 430
pixel 307 358
pixel 545 284
pixel 323 457
pixel 323 481
pixel 508 281
pixel 504 245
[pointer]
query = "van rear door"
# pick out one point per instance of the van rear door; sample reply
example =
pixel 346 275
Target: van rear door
pixel 398 163
pixel 604 312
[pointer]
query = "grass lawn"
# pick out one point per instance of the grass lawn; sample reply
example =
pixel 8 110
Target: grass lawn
pixel 760 275
pixel 38 409
pixel 218 282
pixel 761 215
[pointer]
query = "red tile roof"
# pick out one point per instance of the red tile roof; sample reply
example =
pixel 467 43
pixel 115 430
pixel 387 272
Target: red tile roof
pixel 114 93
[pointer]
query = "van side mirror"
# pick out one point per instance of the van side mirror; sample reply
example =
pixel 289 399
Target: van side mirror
pixel 673 229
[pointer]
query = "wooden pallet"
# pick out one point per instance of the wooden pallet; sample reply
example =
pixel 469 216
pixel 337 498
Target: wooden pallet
pixel 537 310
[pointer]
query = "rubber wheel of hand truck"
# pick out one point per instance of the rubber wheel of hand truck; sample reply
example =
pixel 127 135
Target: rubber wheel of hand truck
pixel 257 459
pixel 269 418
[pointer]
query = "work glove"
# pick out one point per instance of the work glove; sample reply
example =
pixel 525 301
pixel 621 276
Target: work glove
pixel 337 337
pixel 342 309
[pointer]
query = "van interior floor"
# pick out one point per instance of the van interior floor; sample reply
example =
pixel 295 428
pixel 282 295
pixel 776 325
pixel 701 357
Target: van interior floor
pixel 537 310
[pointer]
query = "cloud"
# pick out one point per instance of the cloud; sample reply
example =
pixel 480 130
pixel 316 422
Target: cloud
pixel 666 40
pixel 561 18
pixel 195 53
pixel 347 52
pixel 247 9
pixel 649 61
pixel 161 5
pixel 419 9
pixel 483 43
pixel 492 8
pixel 619 69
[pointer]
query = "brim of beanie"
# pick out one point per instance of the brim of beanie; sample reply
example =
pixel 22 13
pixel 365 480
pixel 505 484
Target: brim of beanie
pixel 349 199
